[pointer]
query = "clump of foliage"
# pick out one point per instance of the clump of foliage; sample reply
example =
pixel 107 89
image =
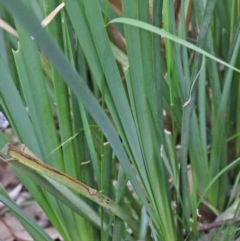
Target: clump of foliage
pixel 140 109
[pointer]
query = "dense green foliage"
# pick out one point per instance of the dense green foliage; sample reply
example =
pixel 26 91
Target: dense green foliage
pixel 134 97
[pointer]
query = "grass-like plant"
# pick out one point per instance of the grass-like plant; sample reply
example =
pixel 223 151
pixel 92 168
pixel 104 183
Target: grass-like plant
pixel 101 102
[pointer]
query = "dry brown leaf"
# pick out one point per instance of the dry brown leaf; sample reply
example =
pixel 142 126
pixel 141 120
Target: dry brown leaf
pixel 12 225
pixel 53 233
pixel 4 25
pixel 52 15
pixel 5 233
pixel 117 38
pixel 37 214
pixel 7 177
pixel 117 6
pixel 12 230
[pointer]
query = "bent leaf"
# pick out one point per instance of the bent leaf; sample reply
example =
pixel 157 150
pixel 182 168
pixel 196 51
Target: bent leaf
pixel 165 34
pixel 36 164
